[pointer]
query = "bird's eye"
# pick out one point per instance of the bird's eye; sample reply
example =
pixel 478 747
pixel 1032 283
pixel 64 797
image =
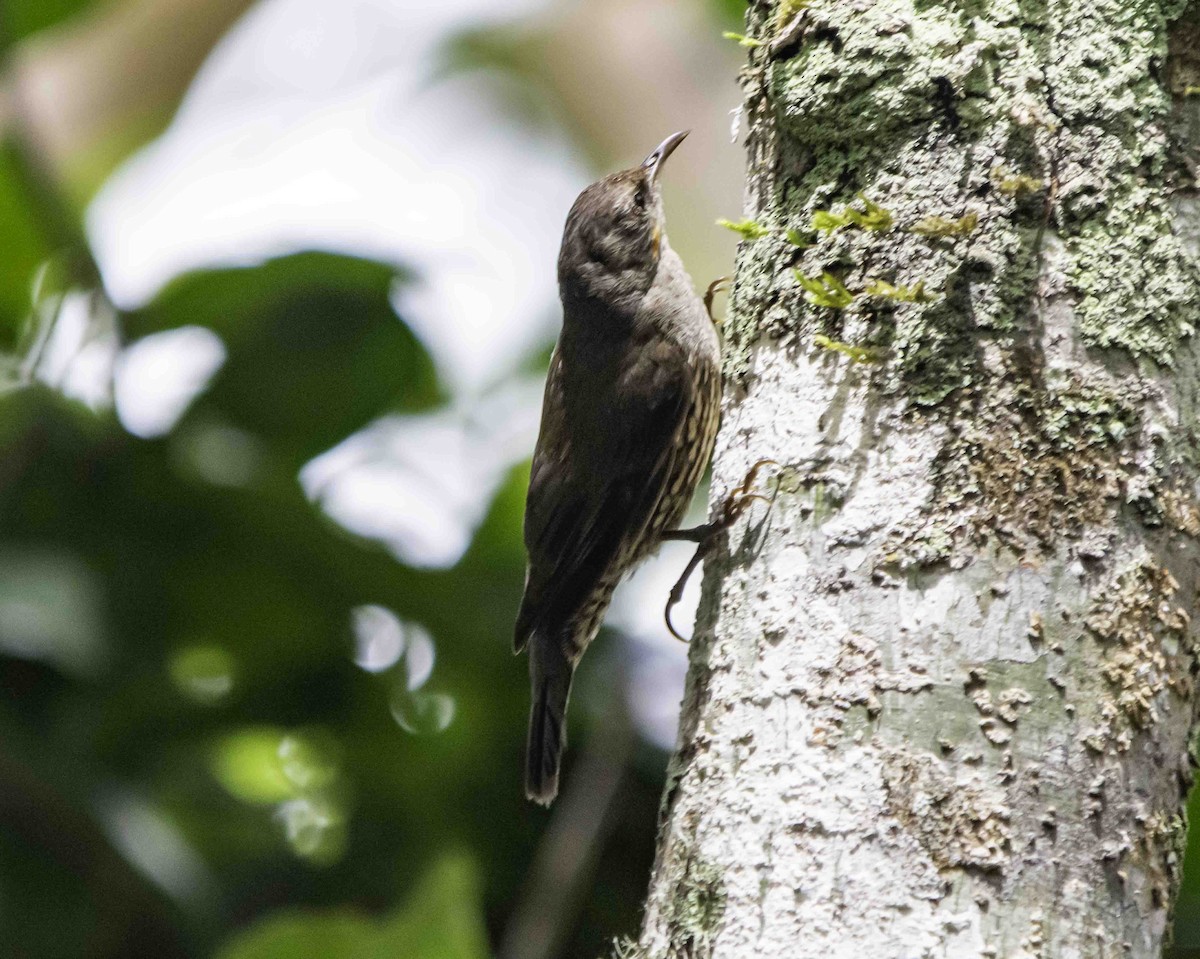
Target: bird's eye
pixel 639 197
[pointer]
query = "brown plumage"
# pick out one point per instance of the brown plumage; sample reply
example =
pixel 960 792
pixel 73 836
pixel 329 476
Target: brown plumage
pixel 628 423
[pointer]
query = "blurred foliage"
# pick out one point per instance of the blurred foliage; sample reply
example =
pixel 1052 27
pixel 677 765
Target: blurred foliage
pixel 92 165
pixel 25 249
pixel 248 584
pixel 189 646
pixel 191 763
pixel 729 11
pixel 315 349
pixel 1187 907
pixel 441 921
pixel 23 18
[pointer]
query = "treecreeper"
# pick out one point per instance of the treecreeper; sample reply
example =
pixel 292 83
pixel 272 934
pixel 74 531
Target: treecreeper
pixel 629 418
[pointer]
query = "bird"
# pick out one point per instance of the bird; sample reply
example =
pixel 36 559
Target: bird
pixel 629 418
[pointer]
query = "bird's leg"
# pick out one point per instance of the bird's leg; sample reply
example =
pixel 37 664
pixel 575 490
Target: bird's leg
pixel 705 536
pixel 677 590
pixel 736 503
pixel 715 287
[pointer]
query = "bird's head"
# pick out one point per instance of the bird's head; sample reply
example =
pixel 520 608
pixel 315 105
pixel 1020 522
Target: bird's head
pixel 615 233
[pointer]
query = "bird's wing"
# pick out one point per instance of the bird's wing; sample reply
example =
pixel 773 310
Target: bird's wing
pixel 584 503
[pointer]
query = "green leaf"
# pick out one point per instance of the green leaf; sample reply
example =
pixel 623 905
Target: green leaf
pixel 441 920
pixel 828 221
pixel 315 349
pixel 941 226
pixel 902 294
pixel 1014 184
pixel 24 251
pixel 826 290
pixel 749 230
pixel 873 217
pixel 743 41
pixel 857 354
pixel 787 10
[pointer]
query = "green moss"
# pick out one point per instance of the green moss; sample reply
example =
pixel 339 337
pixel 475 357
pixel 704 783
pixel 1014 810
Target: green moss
pixel 748 230
pixel 787 10
pixel 940 226
pixel 743 41
pixel 856 354
pixel 825 290
pixel 872 217
pixel 1014 184
pixel 697 909
pixel 916 293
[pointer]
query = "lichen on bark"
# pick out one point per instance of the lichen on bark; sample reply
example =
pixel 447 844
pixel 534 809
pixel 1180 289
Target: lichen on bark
pixel 941 689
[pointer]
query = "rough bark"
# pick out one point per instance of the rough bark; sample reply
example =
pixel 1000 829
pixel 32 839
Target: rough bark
pixel 941 692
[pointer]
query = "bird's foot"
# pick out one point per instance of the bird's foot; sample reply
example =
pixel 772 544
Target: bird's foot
pixel 736 503
pixel 706 535
pixel 715 287
pixel 739 500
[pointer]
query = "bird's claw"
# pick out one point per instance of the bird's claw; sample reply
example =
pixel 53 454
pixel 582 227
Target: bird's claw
pixel 715 287
pixel 752 475
pixel 677 590
pixel 739 499
pixel 705 537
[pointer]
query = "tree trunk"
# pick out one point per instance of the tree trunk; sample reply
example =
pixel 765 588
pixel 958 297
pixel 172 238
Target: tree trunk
pixel 941 691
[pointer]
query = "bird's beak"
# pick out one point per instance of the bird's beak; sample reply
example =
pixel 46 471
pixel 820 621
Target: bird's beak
pixel 655 160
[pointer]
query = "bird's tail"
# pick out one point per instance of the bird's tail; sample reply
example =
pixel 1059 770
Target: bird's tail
pixel 550 678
